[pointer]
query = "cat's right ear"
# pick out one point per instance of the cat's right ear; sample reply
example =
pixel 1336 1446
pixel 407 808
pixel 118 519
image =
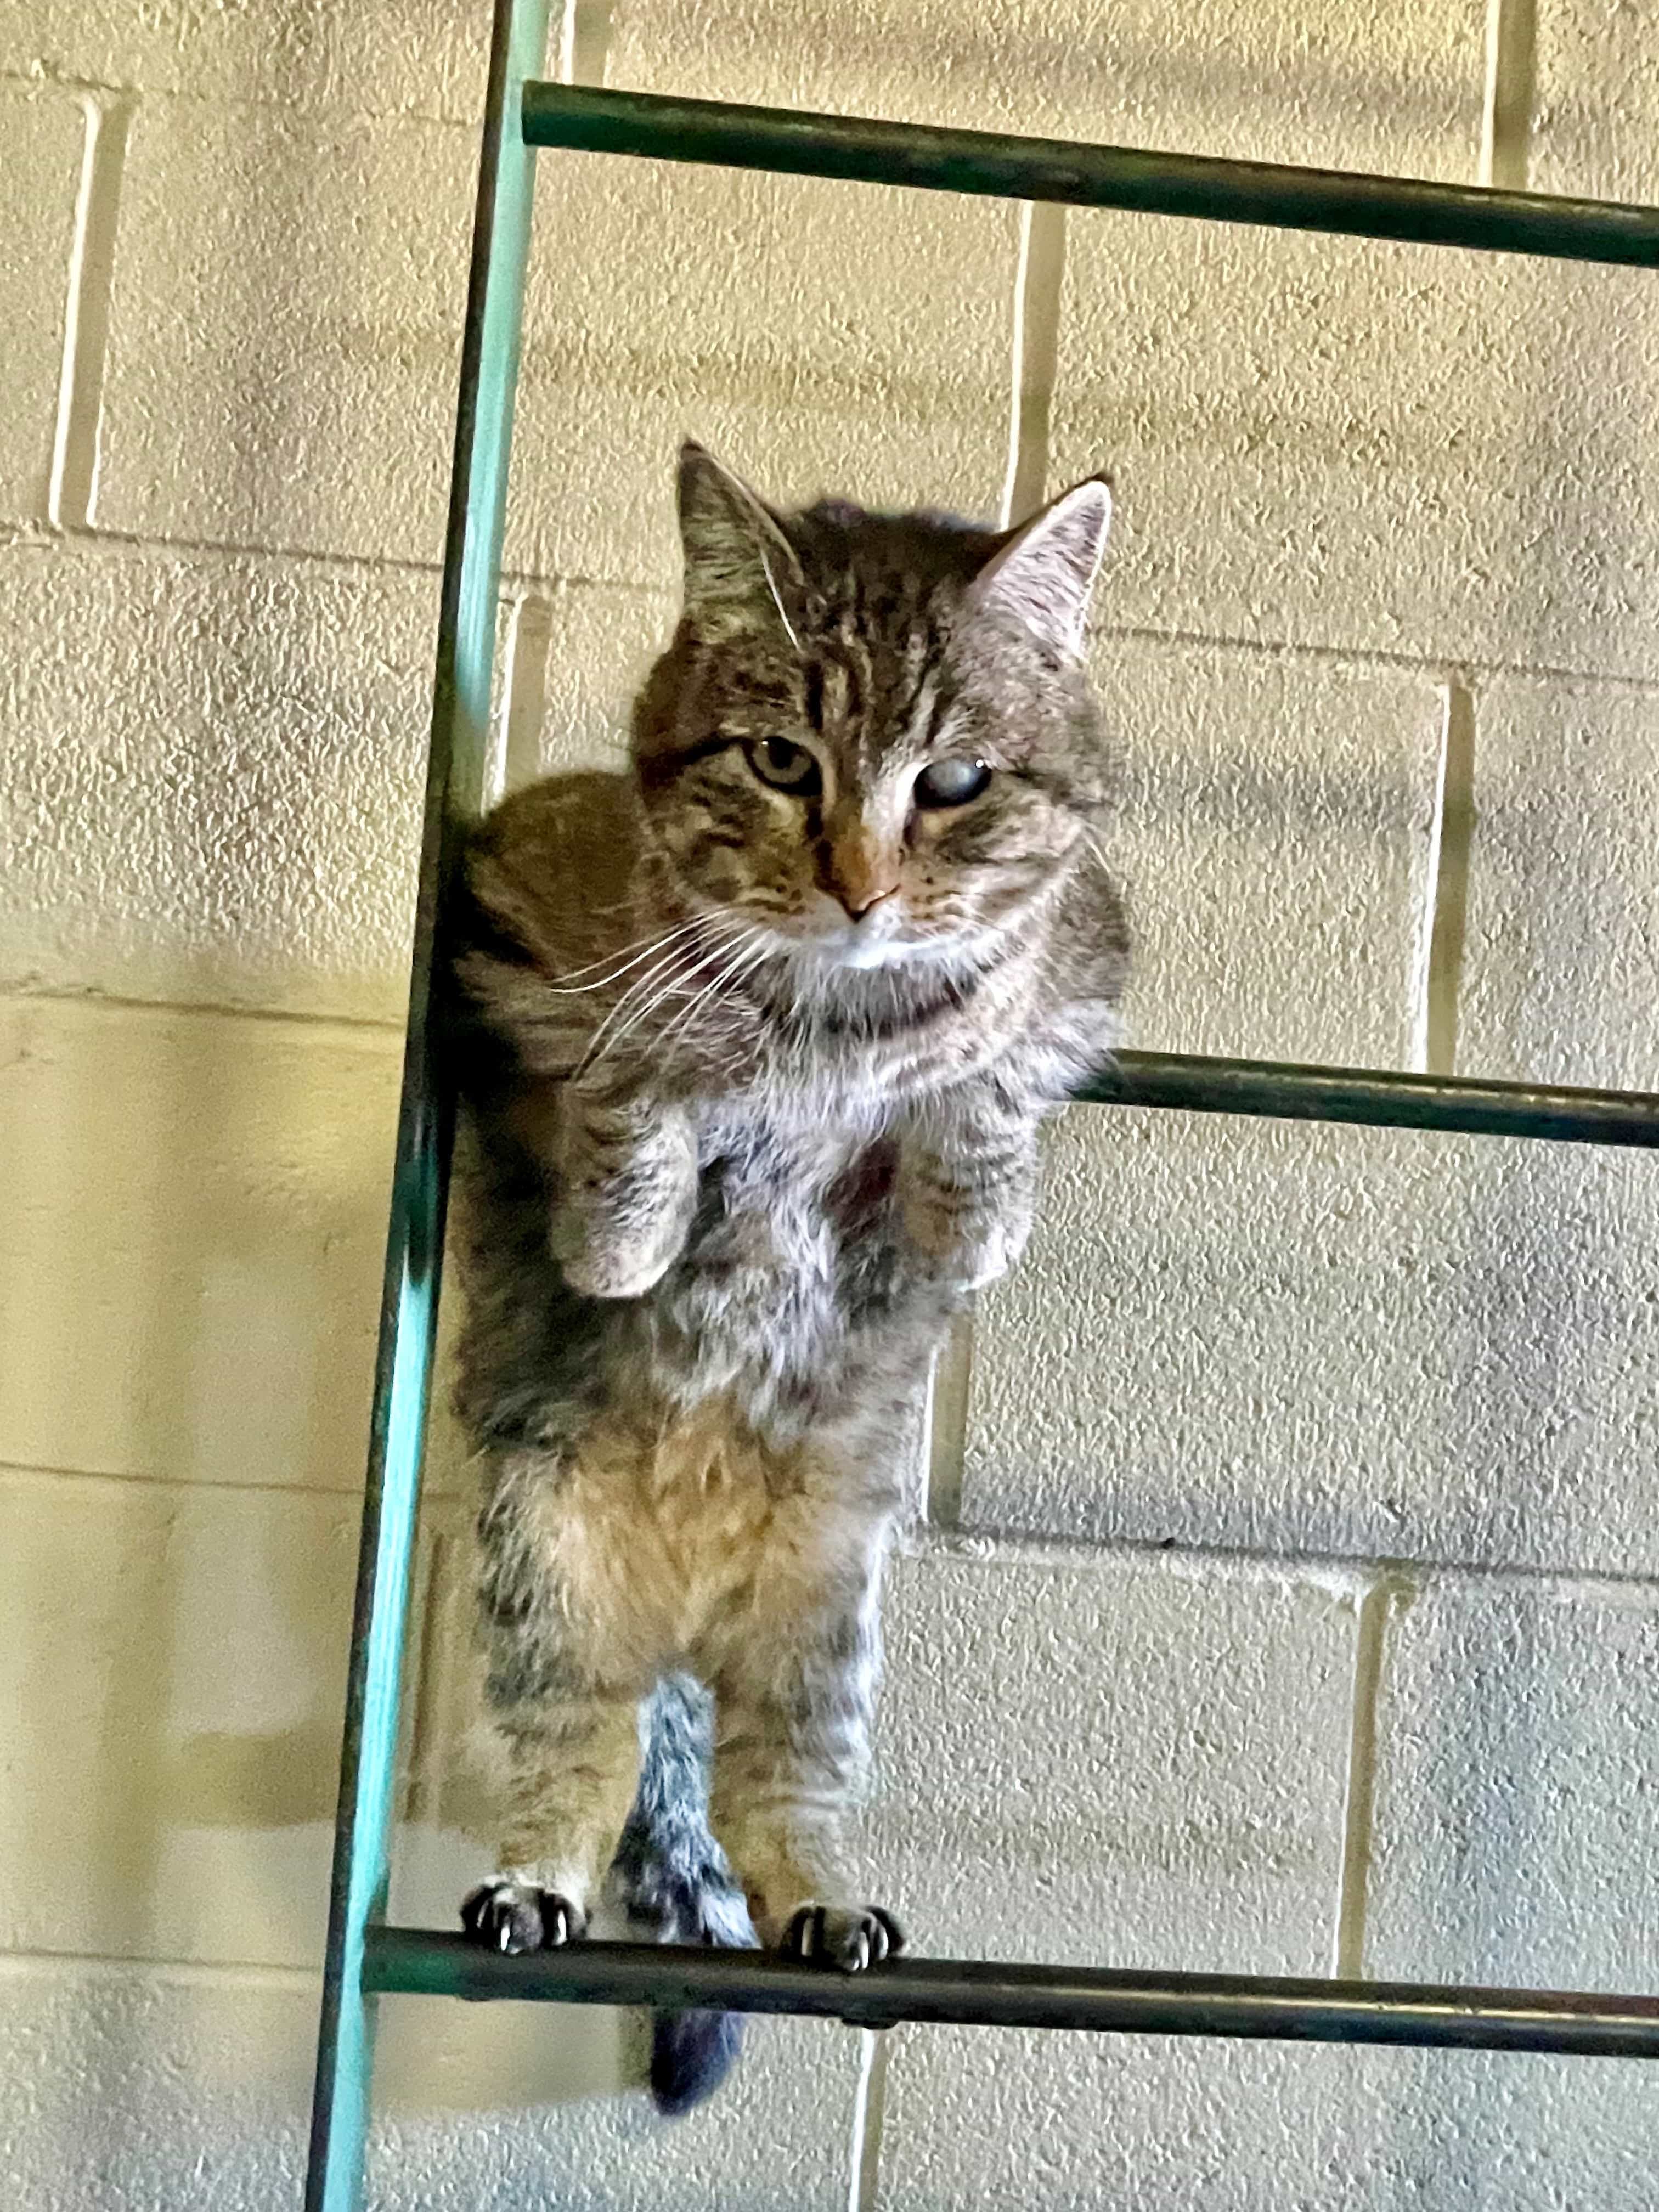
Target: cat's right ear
pixel 1043 572
pixel 741 572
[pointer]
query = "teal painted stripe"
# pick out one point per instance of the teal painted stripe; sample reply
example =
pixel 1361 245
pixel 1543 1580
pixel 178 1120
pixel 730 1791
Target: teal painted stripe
pixel 409 1313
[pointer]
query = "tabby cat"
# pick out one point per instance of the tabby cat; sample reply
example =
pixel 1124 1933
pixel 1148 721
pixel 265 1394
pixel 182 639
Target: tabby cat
pixel 754 1042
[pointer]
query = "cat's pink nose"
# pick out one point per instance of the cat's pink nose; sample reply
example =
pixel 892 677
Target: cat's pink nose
pixel 862 901
pixel 859 868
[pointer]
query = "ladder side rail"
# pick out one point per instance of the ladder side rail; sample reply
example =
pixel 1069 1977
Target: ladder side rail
pixel 409 1310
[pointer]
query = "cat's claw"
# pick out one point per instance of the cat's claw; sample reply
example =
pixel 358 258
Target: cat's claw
pixel 848 1937
pixel 514 1916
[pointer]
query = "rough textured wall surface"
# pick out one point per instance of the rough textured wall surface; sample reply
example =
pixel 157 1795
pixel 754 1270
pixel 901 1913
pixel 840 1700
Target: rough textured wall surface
pixel 1289 1595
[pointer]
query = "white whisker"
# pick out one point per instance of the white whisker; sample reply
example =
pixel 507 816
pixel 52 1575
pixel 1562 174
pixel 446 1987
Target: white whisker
pixel 657 981
pixel 643 949
pixel 746 954
pixel 648 1000
pixel 777 601
pixel 641 1002
pixel 758 957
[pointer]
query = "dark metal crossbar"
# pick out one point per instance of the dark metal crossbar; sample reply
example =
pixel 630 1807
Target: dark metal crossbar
pixel 1382 1100
pixel 975 1993
pixel 861 150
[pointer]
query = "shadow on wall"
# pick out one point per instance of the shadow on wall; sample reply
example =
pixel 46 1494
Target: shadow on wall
pixel 1254 95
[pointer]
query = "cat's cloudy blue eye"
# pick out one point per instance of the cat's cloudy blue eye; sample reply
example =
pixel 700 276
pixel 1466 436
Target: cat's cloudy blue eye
pixel 951 782
pixel 785 766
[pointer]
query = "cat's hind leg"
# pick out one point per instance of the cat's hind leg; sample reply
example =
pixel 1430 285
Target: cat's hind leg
pixel 572 1771
pixel 558 1719
pixel 794 1708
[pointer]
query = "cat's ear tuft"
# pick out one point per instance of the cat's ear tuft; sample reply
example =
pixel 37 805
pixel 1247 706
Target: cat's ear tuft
pixel 741 571
pixel 1041 575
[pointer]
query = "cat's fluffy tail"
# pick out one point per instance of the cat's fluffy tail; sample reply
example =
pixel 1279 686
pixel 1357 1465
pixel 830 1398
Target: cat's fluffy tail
pixel 671 1877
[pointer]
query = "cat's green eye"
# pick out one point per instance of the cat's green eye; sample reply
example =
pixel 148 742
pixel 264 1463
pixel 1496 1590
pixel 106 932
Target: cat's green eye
pixel 951 782
pixel 784 765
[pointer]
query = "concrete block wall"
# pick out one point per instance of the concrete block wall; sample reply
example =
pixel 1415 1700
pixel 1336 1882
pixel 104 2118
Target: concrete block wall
pixel 1288 1594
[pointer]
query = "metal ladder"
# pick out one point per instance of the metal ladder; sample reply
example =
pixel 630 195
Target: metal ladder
pixel 366 1958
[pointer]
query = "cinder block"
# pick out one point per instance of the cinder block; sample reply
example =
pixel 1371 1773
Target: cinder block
pixel 1364 1342
pixel 1513 1844
pixel 1294 81
pixel 1047 2123
pixel 1110 1762
pixel 1128 1763
pixel 818 336
pixel 1392 448
pixel 777 2138
pixel 1514 1837
pixel 174 1675
pixel 423 57
pixel 159 2092
pixel 286 331
pixel 210 778
pixel 42 133
pixel 190 1257
pixel 1595 103
pixel 165 2092
pixel 601 641
pixel 1272 841
pixel 1557 977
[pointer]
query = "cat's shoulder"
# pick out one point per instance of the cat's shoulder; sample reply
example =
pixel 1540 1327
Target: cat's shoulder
pixel 585 809
pixel 574 836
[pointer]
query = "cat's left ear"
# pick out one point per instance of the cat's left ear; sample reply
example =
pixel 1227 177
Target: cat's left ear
pixel 1043 573
pixel 741 572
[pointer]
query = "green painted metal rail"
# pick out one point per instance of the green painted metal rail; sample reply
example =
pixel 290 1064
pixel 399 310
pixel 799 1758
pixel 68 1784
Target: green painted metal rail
pixel 414 1236
pixel 364 1957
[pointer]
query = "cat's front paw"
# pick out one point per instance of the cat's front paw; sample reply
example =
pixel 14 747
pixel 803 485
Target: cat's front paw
pixel 989 1257
pixel 514 1916
pixel 849 1937
pixel 965 1252
pixel 601 1266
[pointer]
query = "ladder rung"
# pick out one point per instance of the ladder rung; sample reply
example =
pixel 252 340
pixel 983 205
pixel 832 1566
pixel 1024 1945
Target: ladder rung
pixel 860 149
pixel 974 1993
pixel 1382 1100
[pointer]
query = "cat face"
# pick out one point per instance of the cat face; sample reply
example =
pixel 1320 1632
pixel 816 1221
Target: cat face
pixel 871 743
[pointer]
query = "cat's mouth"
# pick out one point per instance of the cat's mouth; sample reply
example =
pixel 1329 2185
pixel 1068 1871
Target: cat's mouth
pixel 825 939
pixel 855 949
pixel 827 936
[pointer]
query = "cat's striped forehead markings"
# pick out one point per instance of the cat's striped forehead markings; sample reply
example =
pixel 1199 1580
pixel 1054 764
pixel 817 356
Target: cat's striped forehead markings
pixel 880 700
